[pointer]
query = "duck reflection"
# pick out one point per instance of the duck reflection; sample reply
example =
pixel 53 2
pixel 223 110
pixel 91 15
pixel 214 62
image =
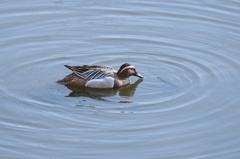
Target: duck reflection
pixel 79 91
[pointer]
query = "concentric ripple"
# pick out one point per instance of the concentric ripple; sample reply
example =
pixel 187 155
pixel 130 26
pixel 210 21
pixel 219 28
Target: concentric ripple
pixel 187 51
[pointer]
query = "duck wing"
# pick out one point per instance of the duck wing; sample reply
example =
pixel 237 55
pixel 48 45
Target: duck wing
pixel 89 72
pixel 92 74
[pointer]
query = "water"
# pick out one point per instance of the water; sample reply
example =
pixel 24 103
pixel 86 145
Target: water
pixel 187 106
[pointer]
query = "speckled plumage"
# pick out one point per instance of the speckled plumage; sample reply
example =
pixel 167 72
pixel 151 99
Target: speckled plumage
pixel 95 76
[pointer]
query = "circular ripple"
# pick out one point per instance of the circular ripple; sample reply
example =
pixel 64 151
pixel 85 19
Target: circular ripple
pixel 188 53
pixel 172 81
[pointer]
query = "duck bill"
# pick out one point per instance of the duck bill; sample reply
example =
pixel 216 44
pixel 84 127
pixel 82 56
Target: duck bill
pixel 138 75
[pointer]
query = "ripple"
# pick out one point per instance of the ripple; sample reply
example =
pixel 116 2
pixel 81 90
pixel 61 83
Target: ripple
pixel 188 53
pixel 175 80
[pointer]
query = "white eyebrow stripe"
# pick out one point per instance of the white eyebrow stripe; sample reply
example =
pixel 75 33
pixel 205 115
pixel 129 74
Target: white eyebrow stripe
pixel 127 68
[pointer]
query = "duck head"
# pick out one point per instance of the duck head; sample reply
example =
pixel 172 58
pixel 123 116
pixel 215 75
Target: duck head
pixel 127 70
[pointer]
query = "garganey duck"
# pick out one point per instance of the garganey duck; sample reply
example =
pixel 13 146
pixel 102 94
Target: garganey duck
pixel 94 76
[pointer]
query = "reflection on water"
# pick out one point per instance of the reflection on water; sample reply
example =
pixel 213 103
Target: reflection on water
pixel 99 94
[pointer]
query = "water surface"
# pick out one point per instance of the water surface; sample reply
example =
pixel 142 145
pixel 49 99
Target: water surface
pixel 187 106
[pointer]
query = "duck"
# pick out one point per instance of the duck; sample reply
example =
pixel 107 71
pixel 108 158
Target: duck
pixel 95 76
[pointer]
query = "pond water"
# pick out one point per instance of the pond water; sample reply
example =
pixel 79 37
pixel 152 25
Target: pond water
pixel 187 106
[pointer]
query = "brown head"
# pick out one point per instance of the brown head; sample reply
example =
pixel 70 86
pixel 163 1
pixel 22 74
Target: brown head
pixel 127 70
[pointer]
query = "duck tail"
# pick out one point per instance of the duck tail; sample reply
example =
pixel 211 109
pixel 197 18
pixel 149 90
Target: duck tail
pixel 66 79
pixel 61 81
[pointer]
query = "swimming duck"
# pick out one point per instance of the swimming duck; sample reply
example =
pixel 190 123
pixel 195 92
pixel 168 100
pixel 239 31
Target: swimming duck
pixel 95 76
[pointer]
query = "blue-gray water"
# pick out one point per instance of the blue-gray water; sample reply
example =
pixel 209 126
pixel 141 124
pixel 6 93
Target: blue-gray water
pixel 187 106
